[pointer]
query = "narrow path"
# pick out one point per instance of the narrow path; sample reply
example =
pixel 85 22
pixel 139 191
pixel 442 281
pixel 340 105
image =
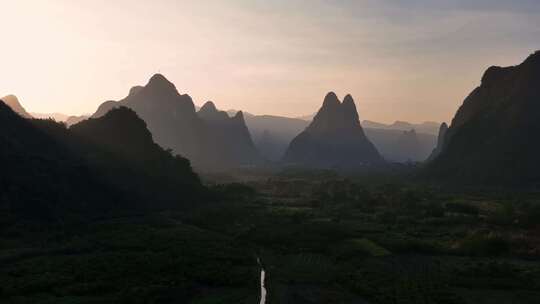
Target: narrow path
pixel 263 288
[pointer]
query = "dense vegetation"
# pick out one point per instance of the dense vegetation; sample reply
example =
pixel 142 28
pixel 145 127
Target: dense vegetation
pixel 330 239
pixel 321 237
pixel 100 166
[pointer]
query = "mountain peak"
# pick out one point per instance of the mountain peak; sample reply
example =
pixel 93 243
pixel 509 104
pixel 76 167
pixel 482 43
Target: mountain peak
pixel 440 142
pixel 444 126
pixel 334 139
pixel 134 90
pixel 160 82
pixel 239 115
pixel 158 77
pixel 10 96
pixel 335 115
pixel 534 58
pixel 208 106
pixel 209 112
pixel 13 102
pixel 120 129
pixel 348 99
pixel 330 99
pixel 494 74
pixel 349 110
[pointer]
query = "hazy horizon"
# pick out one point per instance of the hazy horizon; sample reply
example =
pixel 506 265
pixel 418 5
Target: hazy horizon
pixel 413 61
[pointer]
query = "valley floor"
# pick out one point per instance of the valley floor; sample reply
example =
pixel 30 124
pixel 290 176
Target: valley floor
pixel 320 238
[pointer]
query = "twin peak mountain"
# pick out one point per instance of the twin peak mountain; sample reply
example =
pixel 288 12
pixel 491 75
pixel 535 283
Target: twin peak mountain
pixel 334 139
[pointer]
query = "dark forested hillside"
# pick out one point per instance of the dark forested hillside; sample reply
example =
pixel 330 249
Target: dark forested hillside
pixel 49 171
pixel 120 145
pixel 41 178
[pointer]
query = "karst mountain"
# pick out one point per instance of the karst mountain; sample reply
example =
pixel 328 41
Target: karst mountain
pixel 493 137
pixel 208 138
pixel 334 139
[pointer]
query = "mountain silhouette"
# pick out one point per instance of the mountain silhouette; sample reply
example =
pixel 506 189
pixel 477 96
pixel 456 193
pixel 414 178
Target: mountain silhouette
pixel 273 134
pixel 408 145
pixel 175 124
pixel 121 145
pixel 13 102
pixel 493 138
pixel 440 141
pixel 229 135
pixel 426 127
pixel 71 120
pixel 334 139
pixel 41 178
pixel 401 146
pixel 59 117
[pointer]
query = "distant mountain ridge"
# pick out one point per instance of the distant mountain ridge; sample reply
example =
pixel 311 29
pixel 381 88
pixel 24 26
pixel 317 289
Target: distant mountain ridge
pixel 272 135
pixel 269 136
pixel 440 142
pixel 13 102
pixel 493 137
pixel 428 127
pixel 334 139
pixel 71 120
pixel 174 122
pixel 56 116
pixel 61 117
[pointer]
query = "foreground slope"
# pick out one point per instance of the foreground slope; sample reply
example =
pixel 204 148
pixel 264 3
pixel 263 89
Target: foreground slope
pixel 78 222
pixel 100 165
pixel 121 147
pixel 334 139
pixel 41 178
pixel 493 137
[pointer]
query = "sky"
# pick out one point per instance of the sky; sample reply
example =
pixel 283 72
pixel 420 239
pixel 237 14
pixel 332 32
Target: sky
pixel 413 60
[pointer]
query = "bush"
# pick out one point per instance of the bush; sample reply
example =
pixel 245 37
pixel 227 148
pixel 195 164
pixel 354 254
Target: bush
pixel 484 245
pixel 462 208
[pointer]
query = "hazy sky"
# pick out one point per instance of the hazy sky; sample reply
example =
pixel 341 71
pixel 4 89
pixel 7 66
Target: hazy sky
pixel 409 60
